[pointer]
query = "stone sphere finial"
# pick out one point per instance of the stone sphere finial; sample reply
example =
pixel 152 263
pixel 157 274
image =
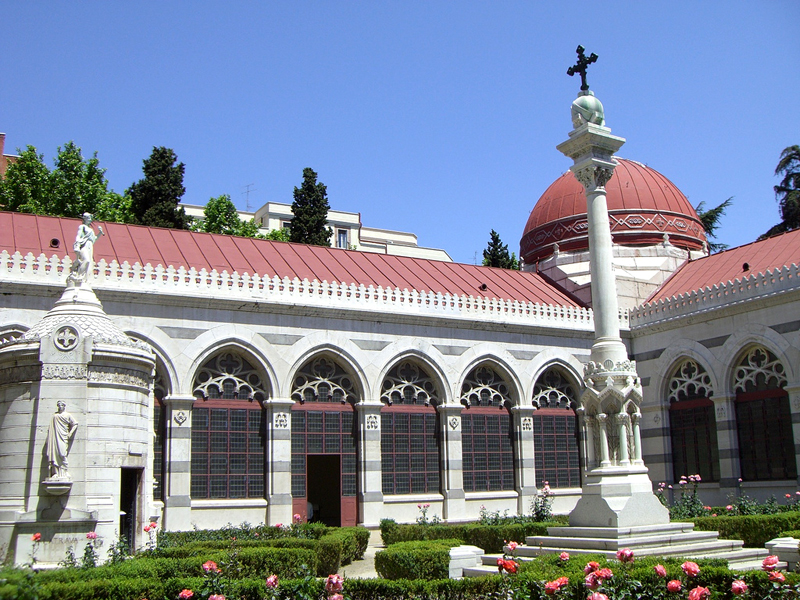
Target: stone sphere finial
pixel 587 109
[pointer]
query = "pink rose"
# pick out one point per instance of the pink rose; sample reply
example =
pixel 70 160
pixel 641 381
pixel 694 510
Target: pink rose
pixel 335 597
pixel 591 567
pixel 91 535
pixel 625 555
pixel 216 597
pixel 272 581
pixel 660 570
pixel 592 581
pixel 729 507
pixel 278 525
pixel 699 593
pixel 690 568
pixel 597 596
pixel 674 586
pixel 776 576
pixel 512 546
pixel 297 518
pixel 769 563
pixel 186 594
pixel 333 584
pixel 564 556
pixel 738 587
pixel 210 566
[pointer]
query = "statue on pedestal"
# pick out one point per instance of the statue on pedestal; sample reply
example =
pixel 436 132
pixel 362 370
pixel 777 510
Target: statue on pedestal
pixel 59 440
pixel 84 251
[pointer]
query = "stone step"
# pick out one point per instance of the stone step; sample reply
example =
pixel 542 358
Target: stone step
pixel 632 542
pixel 620 532
pixel 694 548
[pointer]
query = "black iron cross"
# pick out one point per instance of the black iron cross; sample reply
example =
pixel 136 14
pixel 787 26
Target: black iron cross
pixel 580 67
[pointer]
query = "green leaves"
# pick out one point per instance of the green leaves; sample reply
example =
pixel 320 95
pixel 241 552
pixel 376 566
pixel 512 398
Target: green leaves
pixel 496 254
pixel 155 198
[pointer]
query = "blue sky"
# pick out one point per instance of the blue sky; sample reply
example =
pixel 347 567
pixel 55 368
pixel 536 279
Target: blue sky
pixel 439 118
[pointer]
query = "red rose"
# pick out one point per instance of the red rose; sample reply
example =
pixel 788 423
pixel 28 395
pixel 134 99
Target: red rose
pixel 185 594
pixel 674 586
pixel 605 573
pixel 660 570
pixel 36 537
pixel 776 576
pixel 699 593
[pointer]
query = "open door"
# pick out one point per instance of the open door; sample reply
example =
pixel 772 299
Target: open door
pixel 128 502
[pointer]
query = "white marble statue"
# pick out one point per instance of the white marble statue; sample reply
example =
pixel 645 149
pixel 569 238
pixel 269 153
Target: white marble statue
pixel 84 250
pixel 59 439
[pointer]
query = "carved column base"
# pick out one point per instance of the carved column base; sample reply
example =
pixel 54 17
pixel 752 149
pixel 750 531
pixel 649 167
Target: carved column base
pixel 618 497
pixel 57 487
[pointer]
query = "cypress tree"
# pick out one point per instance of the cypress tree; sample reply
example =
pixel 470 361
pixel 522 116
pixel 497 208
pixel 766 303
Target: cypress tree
pixel 310 209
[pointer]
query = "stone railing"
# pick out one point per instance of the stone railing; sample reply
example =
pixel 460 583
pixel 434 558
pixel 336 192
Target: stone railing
pixel 253 288
pixel 756 286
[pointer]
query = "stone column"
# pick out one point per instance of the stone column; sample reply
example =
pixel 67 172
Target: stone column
pixel 455 507
pixel 636 419
pixel 370 483
pixel 617 493
pixel 727 444
pixel 278 459
pixel 178 451
pixel 524 467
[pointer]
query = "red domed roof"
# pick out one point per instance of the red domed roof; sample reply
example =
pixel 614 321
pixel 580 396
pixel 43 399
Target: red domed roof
pixel 643 205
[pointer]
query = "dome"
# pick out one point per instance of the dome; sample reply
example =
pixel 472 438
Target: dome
pixel 643 205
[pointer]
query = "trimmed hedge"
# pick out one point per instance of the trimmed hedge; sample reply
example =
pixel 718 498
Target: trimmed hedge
pixel 491 538
pixel 754 530
pixel 416 560
pixel 334 547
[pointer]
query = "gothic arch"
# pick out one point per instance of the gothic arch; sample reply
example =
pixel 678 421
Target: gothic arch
pixel 237 346
pixel 512 387
pixel 434 372
pixel 675 354
pixel 743 340
pixel 343 359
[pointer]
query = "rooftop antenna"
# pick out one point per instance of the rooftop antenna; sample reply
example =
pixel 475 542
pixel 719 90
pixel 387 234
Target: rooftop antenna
pixel 246 193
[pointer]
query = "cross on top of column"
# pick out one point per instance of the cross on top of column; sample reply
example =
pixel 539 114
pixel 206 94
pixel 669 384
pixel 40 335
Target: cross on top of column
pixel 580 66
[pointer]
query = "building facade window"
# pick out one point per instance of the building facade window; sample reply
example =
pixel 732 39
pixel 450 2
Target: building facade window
pixel 228 431
pixel 409 431
pixel 159 433
pixel 324 451
pixel 486 432
pixel 692 424
pixel 556 456
pixel 341 238
pixel 763 418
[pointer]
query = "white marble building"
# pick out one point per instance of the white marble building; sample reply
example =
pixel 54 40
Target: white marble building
pixel 349 386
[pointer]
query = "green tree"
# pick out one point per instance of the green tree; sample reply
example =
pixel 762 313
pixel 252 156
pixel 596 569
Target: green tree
pixel 75 186
pixel 787 192
pixel 220 216
pixel 496 254
pixel 310 210
pixel 278 235
pixel 710 220
pixel 155 199
pixel 26 185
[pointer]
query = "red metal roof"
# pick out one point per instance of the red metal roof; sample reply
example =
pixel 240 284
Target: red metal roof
pixel 770 254
pixel 169 247
pixel 642 206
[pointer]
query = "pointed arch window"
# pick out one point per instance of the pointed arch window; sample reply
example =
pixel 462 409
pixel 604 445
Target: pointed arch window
pixel 486 432
pixel 692 424
pixel 228 429
pixel 555 432
pixel 324 433
pixel 763 418
pixel 409 431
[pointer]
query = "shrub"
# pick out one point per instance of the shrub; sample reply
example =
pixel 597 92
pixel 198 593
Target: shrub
pixel 754 530
pixel 416 560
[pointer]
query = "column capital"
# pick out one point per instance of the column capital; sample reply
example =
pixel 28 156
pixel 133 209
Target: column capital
pixel 369 406
pixel 450 409
pixel 179 402
pixel 277 403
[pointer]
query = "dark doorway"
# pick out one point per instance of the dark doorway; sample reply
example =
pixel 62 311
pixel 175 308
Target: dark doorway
pixel 324 488
pixel 128 495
